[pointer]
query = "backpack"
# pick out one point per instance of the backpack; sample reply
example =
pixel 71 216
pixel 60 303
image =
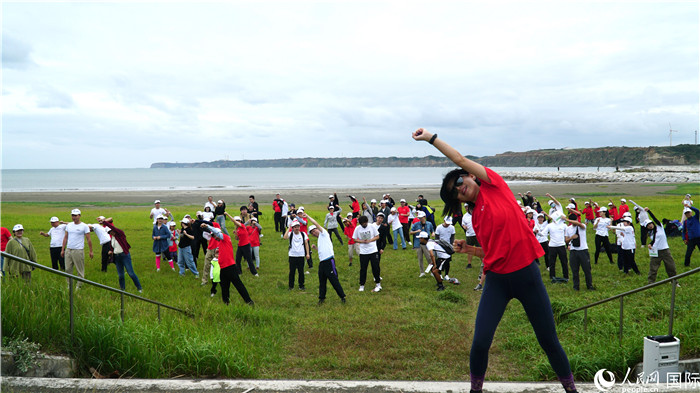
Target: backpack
pixel 445 246
pixel 303 238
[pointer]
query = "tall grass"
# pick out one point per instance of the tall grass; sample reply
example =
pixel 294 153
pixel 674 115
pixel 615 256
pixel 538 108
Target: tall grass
pixel 408 331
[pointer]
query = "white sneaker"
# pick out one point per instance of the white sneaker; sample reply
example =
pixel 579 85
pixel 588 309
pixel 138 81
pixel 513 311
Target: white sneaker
pixel 447 277
pixel 257 275
pixel 377 288
pixel 430 267
pixel 421 275
pixel 307 272
pixel 362 288
pixel 157 270
pixel 213 294
pixel 409 243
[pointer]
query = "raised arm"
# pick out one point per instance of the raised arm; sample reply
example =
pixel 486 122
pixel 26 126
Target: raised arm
pixel 450 152
pixel 318 226
pixel 553 198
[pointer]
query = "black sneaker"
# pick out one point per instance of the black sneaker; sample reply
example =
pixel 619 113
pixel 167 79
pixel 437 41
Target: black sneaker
pixel 469 266
pixel 321 301
pixel 441 287
pixel 342 300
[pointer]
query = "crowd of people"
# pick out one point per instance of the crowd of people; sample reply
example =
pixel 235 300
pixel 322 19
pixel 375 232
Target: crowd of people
pixel 508 236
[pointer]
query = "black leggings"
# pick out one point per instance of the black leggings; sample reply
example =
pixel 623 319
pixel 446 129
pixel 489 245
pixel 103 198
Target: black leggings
pixel 526 286
pixel 296 266
pixel 605 242
pixel 247 253
pixel 366 260
pixel 561 252
pixel 337 234
pixel 229 276
pixel 56 258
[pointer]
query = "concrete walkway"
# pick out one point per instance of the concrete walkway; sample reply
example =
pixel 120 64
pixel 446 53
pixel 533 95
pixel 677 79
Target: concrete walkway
pixel 22 384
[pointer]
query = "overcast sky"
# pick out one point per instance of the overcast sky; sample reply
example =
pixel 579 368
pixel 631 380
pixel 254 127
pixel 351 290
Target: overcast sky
pixel 125 84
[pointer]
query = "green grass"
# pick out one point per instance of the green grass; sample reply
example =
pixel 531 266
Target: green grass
pixel 685 188
pixel 406 332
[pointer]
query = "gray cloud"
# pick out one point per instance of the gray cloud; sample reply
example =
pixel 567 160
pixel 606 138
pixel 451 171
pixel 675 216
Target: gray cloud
pixel 16 54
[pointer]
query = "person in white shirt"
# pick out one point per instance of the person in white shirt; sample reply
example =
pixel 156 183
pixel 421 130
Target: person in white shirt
pixel 158 211
pixel 210 203
pixel 396 228
pixel 331 222
pixel 326 267
pixel 366 236
pixel 74 244
pixel 554 205
pixel 56 233
pixel 438 257
pixel 659 250
pixel 557 246
pixel 575 236
pixel 540 224
pixel 641 217
pixel 298 253
pixel 105 241
pixel 445 231
pixel 601 224
pixel 469 231
pixel 629 244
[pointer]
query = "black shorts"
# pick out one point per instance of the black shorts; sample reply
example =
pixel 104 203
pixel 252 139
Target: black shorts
pixel 471 241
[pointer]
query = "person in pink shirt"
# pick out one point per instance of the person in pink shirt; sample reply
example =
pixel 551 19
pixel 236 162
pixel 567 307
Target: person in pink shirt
pixel 244 249
pixel 254 233
pixel 5 235
pixel 404 212
pixel 509 253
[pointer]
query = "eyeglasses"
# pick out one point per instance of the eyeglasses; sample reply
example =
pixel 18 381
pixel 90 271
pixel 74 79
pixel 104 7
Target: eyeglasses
pixel 455 189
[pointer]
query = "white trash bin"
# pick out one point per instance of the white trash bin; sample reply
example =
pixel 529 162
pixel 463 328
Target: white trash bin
pixel 661 353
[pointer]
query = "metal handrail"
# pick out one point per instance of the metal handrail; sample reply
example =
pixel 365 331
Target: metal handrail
pixel 673 280
pixel 102 286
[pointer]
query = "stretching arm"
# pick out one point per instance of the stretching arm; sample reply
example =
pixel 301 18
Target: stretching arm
pixel 450 152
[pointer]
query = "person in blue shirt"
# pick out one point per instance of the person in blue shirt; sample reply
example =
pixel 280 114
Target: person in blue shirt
pixel 691 231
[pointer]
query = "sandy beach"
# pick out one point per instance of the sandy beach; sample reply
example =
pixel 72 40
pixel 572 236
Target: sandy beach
pixel 299 195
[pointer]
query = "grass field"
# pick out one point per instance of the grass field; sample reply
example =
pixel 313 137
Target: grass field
pixel 408 331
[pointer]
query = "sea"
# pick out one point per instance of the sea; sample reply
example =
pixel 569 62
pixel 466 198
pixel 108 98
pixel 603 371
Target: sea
pixel 156 179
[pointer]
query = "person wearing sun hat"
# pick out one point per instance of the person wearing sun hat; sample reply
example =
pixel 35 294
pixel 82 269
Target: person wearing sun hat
pixel 56 233
pixel 20 247
pixel 626 260
pixel 74 244
pixel 298 253
pixel 158 211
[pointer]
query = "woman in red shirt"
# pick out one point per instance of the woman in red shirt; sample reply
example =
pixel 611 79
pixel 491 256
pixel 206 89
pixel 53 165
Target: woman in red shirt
pixel 509 253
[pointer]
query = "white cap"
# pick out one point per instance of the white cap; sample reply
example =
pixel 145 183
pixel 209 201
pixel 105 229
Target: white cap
pixel 330 196
pixel 551 202
pixel 311 228
pixel 295 223
pixel 610 204
pixel 402 200
pixel 172 223
pixel 421 214
pixel 373 201
pixel 572 199
pixel 187 216
pixel 382 201
pixel 254 219
pixel 331 207
pixel 349 215
pixel 530 210
pixel 623 200
pixel 628 219
pixel 422 235
pixel 586 203
pixel 571 206
pixel 163 217
pixel 627 214
pixel 100 217
pixel 75 212
pixel 156 201
pixel 686 210
pixel 17 227
pixel 199 213
pixel 646 222
pixel 393 209
pixel 603 209
pixel 300 209
pixel 688 195
pixel 539 215
pixel 448 220
pixel 380 214
pixel 219 201
pixel 54 219
pixel 520 203
pixel 184 221
pixel 236 218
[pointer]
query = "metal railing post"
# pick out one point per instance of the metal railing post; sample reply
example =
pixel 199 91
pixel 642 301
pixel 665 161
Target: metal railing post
pixel 122 296
pixel 585 320
pixel 673 305
pixel 159 313
pixel 622 304
pixel 71 321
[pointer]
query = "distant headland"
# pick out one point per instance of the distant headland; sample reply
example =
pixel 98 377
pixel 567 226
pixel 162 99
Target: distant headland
pixel 609 156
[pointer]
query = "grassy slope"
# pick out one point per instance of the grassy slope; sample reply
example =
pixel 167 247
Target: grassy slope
pixel 408 331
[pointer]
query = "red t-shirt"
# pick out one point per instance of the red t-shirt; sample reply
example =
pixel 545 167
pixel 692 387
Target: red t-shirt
pixel 502 229
pixel 355 206
pixel 349 230
pixel 242 234
pixel 5 237
pixel 588 212
pixel 624 209
pixel 254 236
pixel 403 210
pixel 613 213
pixel 226 256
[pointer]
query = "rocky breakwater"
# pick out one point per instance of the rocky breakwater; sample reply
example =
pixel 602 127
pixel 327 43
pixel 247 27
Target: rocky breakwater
pixel 605 177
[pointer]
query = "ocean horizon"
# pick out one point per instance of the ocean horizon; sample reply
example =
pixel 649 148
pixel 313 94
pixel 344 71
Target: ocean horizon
pixel 188 179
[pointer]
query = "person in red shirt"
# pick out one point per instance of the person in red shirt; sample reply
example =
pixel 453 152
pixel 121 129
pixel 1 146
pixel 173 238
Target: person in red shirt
pixel 348 231
pixel 227 263
pixel 277 207
pixel 254 230
pixel 354 206
pixel 624 207
pixel 5 237
pixel 509 253
pixel 404 212
pixel 612 209
pixel 243 250
pixel 588 212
